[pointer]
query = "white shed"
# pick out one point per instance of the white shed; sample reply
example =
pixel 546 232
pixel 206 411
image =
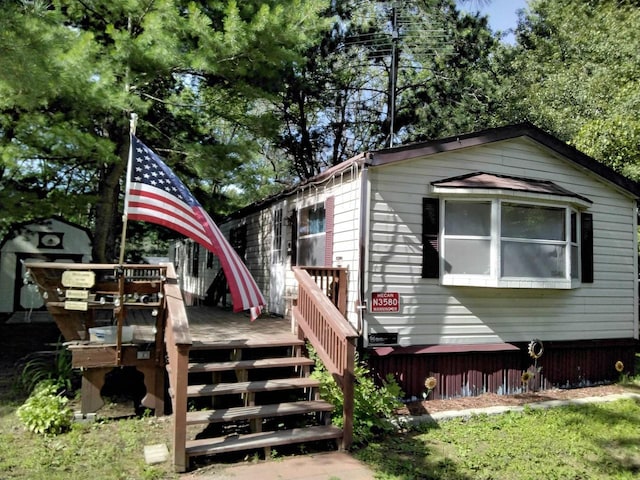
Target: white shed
pixel 52 240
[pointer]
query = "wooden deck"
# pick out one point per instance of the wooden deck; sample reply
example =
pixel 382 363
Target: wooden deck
pixel 213 326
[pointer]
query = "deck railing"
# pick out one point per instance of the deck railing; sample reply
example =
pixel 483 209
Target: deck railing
pixel 319 314
pixel 333 283
pixel 177 342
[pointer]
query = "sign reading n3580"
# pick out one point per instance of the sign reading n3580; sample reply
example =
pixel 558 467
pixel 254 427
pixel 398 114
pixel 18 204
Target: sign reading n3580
pixel 388 302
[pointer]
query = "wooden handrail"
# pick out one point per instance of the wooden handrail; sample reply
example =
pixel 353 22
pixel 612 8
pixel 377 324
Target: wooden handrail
pixel 321 322
pixel 333 282
pixel 177 342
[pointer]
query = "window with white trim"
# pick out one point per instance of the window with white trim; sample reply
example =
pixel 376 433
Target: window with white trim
pixel 311 235
pixel 276 244
pixel 501 243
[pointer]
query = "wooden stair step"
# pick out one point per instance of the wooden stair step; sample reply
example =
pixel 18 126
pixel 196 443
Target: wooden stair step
pixel 258 411
pixel 211 390
pixel 276 362
pixel 233 443
pixel 252 342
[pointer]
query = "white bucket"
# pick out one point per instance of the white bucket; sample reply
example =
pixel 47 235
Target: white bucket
pixel 108 334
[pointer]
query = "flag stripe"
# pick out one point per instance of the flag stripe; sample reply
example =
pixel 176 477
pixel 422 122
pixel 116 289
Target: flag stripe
pixel 235 264
pixel 229 254
pixel 161 199
pixel 152 217
pixel 154 194
pixel 168 212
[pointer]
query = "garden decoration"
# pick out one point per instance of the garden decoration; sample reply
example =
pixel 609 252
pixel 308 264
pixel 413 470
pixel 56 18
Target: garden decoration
pixel 535 350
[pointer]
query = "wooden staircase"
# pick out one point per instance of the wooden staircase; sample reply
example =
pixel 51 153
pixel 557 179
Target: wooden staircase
pixel 248 396
pixel 240 394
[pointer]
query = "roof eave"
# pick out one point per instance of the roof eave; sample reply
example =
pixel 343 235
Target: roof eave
pixel 451 144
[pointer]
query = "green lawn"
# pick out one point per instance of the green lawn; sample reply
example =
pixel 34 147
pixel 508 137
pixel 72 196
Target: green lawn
pixel 103 450
pixel 597 441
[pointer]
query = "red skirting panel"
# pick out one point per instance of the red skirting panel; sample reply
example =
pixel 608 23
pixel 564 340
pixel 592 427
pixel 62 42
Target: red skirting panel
pixel 498 368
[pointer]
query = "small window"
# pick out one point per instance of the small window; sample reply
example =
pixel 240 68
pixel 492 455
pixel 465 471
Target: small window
pixel 276 245
pixel 312 220
pixel 195 259
pixel 238 240
pixel 311 236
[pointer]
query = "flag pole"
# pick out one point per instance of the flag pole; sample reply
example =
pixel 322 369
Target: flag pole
pixel 132 131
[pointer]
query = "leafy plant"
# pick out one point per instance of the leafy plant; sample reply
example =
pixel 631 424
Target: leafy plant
pixel 373 405
pixel 46 412
pixel 43 367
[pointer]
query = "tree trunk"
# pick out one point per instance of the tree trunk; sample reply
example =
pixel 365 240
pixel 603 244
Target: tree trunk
pixel 108 220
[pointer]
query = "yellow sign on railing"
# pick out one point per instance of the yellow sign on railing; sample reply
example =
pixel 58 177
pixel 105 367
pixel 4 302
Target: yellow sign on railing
pixel 78 279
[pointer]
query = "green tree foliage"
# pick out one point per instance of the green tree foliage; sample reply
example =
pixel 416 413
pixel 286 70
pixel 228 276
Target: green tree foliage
pixel 405 71
pixel 575 71
pixel 198 74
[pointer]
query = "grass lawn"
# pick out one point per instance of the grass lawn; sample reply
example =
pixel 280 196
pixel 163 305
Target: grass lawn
pixel 598 441
pixel 101 450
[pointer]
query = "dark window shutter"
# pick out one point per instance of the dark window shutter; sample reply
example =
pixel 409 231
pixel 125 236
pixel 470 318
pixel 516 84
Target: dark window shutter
pixel 430 232
pixel 238 240
pixel 294 238
pixel 586 247
pixel 195 259
pixel 329 205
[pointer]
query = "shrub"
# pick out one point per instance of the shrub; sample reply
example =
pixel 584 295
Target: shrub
pixel 45 411
pixel 55 366
pixel 373 404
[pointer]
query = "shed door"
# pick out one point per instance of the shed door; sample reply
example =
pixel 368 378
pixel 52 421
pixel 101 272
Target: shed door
pixel 277 276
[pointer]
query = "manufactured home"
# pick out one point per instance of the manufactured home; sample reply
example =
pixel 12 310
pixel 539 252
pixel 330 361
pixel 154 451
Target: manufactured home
pixel 470 259
pixel 49 239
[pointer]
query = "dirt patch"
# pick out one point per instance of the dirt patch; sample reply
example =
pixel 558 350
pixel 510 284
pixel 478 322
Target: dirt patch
pixel 492 399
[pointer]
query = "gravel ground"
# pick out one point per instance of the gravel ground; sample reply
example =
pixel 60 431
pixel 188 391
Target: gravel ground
pixel 492 399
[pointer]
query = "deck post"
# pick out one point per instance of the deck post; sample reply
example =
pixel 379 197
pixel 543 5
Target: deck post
pixel 341 301
pixel 92 383
pixel 180 408
pixel 348 386
pixel 154 383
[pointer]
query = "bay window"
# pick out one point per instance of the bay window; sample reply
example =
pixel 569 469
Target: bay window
pixel 506 244
pixel 505 239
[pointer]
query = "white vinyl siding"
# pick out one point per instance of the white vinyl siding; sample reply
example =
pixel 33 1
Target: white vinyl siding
pixel 431 313
pixel 346 192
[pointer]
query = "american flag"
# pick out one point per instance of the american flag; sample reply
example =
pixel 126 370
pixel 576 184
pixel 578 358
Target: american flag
pixel 154 194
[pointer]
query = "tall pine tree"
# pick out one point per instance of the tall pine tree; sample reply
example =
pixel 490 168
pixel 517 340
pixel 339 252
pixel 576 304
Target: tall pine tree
pixel 198 74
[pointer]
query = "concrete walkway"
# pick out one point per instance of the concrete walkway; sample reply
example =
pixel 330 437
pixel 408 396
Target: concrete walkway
pixel 321 466
pixel 438 416
pixel 342 466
